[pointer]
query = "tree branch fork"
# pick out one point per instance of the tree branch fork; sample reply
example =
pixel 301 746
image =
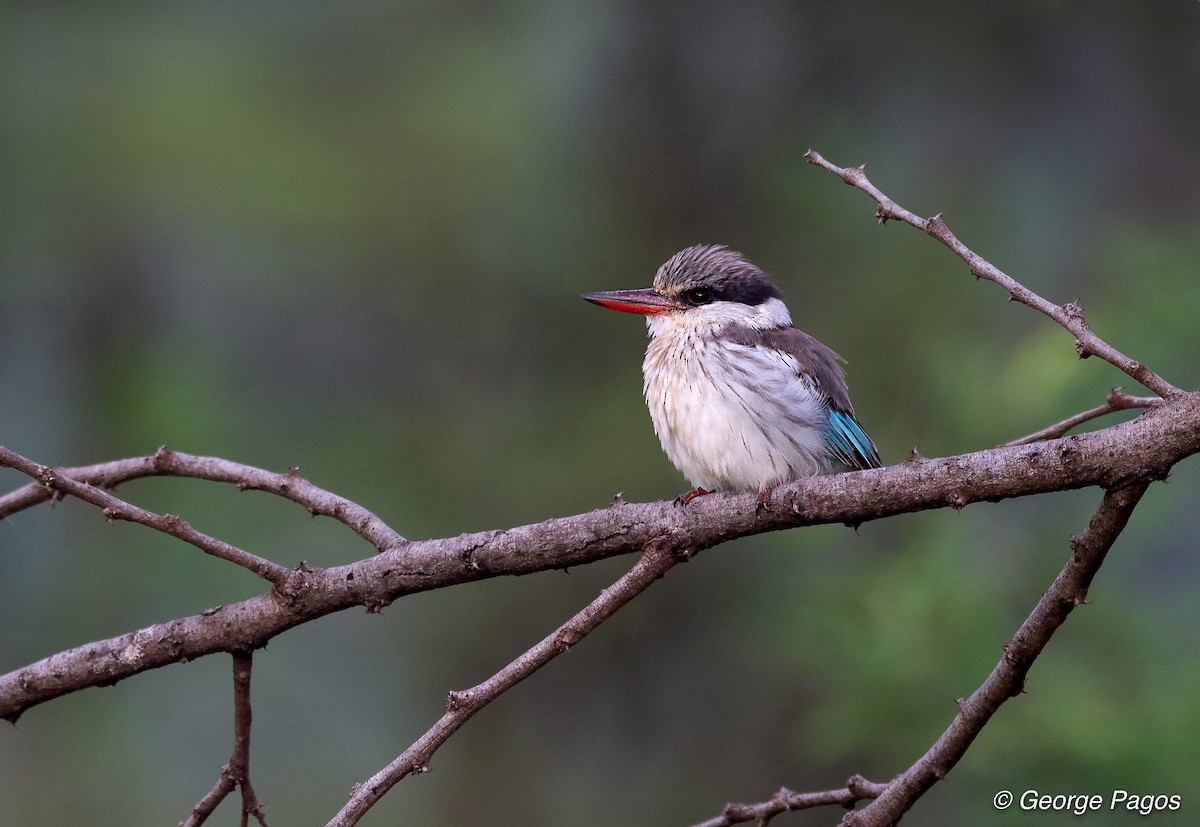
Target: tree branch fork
pixel 1144 448
pixel 1122 460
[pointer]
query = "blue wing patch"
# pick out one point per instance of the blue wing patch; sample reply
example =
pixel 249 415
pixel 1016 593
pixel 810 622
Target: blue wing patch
pixel 849 443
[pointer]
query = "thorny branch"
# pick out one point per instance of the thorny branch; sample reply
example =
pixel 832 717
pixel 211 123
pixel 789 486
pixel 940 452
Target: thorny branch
pixel 236 772
pixel 656 560
pixel 1069 315
pixel 787 801
pixel 1007 680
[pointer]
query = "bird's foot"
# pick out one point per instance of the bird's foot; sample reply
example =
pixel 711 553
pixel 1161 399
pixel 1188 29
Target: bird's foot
pixel 764 498
pixel 687 496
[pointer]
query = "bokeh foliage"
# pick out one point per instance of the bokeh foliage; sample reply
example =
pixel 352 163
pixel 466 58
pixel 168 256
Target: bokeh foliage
pixel 350 237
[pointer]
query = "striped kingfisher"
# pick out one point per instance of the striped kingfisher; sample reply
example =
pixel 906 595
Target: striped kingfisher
pixel 740 399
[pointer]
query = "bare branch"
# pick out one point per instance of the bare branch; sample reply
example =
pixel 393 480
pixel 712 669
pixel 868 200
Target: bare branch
pixel 242 720
pixel 857 789
pixel 1116 401
pixel 167 463
pixel 1069 315
pixel 236 771
pixel 1007 679
pixel 658 558
pixel 1144 448
pixel 114 508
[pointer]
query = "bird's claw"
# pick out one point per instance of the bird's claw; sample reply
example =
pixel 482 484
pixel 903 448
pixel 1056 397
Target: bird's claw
pixel 764 500
pixel 687 496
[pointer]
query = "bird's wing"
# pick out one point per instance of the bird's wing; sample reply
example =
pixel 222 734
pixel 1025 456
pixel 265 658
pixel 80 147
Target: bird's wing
pixel 847 440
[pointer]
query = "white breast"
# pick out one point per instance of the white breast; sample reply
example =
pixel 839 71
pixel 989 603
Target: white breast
pixel 730 416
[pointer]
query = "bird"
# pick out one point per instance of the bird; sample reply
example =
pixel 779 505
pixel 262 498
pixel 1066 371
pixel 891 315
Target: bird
pixel 741 400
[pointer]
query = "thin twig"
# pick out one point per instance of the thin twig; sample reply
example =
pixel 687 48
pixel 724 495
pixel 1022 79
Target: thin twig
pixel 1069 315
pixel 236 771
pixel 656 560
pixel 114 508
pixel 785 801
pixel 1117 401
pixel 167 463
pixel 242 721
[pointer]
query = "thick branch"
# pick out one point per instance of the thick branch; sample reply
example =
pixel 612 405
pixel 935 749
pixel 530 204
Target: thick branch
pixel 1069 315
pixel 1144 448
pixel 657 559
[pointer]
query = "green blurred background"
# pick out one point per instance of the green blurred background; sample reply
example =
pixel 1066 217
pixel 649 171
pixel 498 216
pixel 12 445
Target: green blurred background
pixel 351 237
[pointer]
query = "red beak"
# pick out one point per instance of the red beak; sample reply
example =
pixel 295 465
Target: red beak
pixel 642 302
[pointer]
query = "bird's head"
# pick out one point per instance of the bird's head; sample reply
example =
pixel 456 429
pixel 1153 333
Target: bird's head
pixel 702 288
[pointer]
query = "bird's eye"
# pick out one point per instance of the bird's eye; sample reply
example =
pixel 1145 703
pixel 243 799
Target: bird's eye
pixel 699 295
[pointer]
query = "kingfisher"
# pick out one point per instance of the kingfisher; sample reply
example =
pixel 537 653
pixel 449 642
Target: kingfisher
pixel 740 399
